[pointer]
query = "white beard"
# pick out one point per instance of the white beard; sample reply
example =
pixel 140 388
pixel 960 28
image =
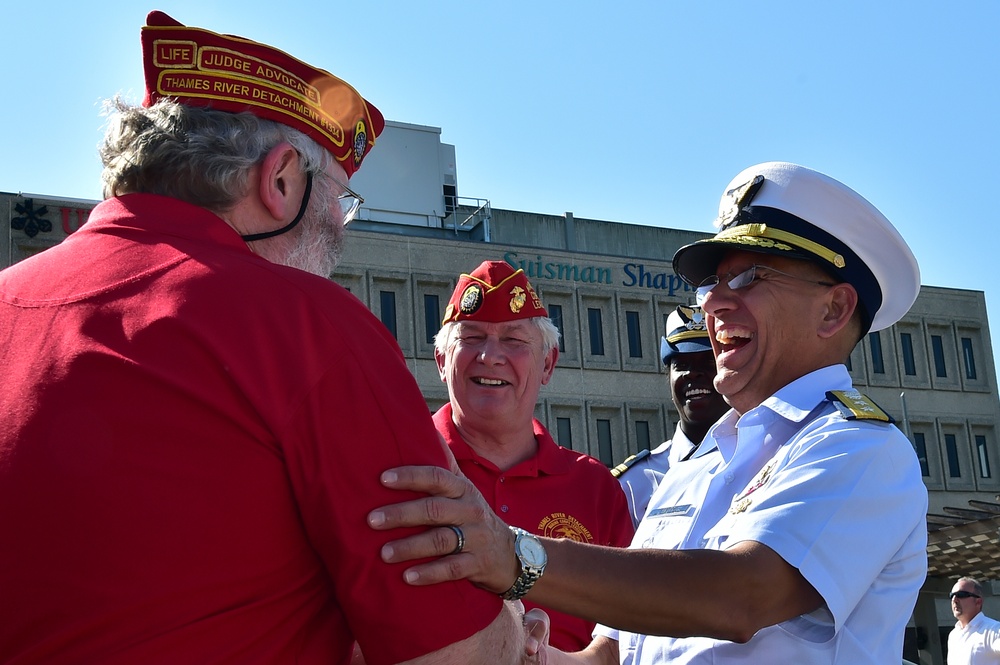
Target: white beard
pixel 318 247
pixel 317 243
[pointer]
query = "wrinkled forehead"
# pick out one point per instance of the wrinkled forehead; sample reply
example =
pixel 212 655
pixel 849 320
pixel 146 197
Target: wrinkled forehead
pixel 520 326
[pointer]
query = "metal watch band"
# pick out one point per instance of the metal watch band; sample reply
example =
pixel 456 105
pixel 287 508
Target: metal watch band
pixel 528 575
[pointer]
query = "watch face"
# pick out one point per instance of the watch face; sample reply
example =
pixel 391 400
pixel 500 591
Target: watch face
pixel 532 551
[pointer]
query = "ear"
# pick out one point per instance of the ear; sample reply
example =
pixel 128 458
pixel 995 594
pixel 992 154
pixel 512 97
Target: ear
pixel 281 182
pixel 439 359
pixel 550 364
pixel 838 308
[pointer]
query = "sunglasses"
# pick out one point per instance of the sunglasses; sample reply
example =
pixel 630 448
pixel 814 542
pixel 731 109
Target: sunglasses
pixel 962 594
pixel 743 280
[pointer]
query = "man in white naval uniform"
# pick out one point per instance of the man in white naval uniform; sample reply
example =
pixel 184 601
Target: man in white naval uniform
pixel 686 353
pixel 803 539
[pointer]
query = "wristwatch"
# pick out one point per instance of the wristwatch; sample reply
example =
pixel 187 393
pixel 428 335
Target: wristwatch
pixel 531 558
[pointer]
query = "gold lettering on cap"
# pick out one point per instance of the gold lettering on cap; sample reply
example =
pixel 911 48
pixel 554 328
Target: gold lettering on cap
pixel 174 53
pixel 226 61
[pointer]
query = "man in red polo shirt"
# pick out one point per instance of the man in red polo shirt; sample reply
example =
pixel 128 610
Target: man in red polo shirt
pixel 495 350
pixel 194 425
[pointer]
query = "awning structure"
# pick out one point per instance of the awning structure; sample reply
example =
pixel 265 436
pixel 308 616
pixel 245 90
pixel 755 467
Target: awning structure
pixel 965 541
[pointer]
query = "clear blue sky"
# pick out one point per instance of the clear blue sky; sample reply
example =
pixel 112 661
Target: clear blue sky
pixel 638 112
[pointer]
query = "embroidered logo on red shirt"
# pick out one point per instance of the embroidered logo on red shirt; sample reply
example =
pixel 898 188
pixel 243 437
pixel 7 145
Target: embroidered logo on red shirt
pixel 561 525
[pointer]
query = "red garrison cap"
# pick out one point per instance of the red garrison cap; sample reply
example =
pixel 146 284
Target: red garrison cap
pixel 494 292
pixel 197 67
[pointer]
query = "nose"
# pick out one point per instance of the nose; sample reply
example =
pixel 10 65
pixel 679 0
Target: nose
pixel 720 298
pixel 491 352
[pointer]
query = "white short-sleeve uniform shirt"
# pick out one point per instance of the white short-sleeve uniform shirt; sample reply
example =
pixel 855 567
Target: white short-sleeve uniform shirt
pixel 641 479
pixel 978 643
pixel 840 500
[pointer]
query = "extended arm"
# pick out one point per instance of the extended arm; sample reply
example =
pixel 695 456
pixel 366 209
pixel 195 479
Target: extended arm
pixel 723 594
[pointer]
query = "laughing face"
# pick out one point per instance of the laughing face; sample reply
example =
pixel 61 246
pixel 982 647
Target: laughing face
pixel 494 372
pixel 767 333
pixel 691 388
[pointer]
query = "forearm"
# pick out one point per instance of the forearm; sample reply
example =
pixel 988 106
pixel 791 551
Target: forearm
pixel 727 595
pixel 722 594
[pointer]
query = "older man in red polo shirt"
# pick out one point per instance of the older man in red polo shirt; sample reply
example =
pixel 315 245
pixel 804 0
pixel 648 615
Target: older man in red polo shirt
pixel 495 350
pixel 193 424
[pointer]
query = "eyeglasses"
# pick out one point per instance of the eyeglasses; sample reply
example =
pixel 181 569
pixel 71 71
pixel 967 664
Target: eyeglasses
pixel 743 280
pixel 962 594
pixel 350 202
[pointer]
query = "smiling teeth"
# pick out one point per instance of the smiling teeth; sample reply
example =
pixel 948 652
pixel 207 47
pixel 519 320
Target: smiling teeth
pixel 724 336
pixel 695 392
pixel 490 382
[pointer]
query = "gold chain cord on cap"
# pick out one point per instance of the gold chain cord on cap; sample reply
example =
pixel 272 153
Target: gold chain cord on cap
pixel 762 231
pixel 701 333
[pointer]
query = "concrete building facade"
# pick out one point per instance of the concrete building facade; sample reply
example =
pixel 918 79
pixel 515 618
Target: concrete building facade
pixel 609 287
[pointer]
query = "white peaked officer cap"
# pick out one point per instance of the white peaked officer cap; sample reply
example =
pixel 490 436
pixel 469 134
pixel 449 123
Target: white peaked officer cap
pixel 789 210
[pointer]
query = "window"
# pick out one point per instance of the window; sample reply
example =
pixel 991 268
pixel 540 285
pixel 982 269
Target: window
pixel 450 199
pixel 642 434
pixel 556 316
pixel 564 431
pixel 909 366
pixel 937 346
pixel 920 445
pixel 634 337
pixel 984 457
pixel 878 364
pixel 596 333
pixel 970 360
pixel 387 306
pixel 432 317
pixel 951 448
pixel 604 439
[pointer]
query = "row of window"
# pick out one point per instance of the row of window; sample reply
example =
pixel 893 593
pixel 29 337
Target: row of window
pixel 910 354
pixel 605 448
pixel 964 459
pixel 956 456
pixel 967 355
pixel 601 331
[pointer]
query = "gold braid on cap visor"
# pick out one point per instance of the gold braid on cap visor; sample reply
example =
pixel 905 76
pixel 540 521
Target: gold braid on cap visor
pixel 688 334
pixel 763 231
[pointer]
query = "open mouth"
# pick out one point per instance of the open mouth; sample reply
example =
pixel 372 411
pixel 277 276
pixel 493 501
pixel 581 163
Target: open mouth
pixel 488 382
pixel 693 393
pixel 729 339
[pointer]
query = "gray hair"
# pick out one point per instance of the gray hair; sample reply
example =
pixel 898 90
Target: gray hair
pixel 445 337
pixel 976 586
pixel 198 155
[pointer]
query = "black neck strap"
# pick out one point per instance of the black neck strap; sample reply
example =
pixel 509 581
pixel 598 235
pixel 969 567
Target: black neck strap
pixel 291 225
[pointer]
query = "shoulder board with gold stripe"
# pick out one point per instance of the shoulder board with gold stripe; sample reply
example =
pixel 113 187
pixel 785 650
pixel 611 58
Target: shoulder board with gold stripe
pixel 629 461
pixel 855 406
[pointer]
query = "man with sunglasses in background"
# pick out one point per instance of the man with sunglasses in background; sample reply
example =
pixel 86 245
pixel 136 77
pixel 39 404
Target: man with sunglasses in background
pixel 803 540
pixel 975 639
pixel 194 416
